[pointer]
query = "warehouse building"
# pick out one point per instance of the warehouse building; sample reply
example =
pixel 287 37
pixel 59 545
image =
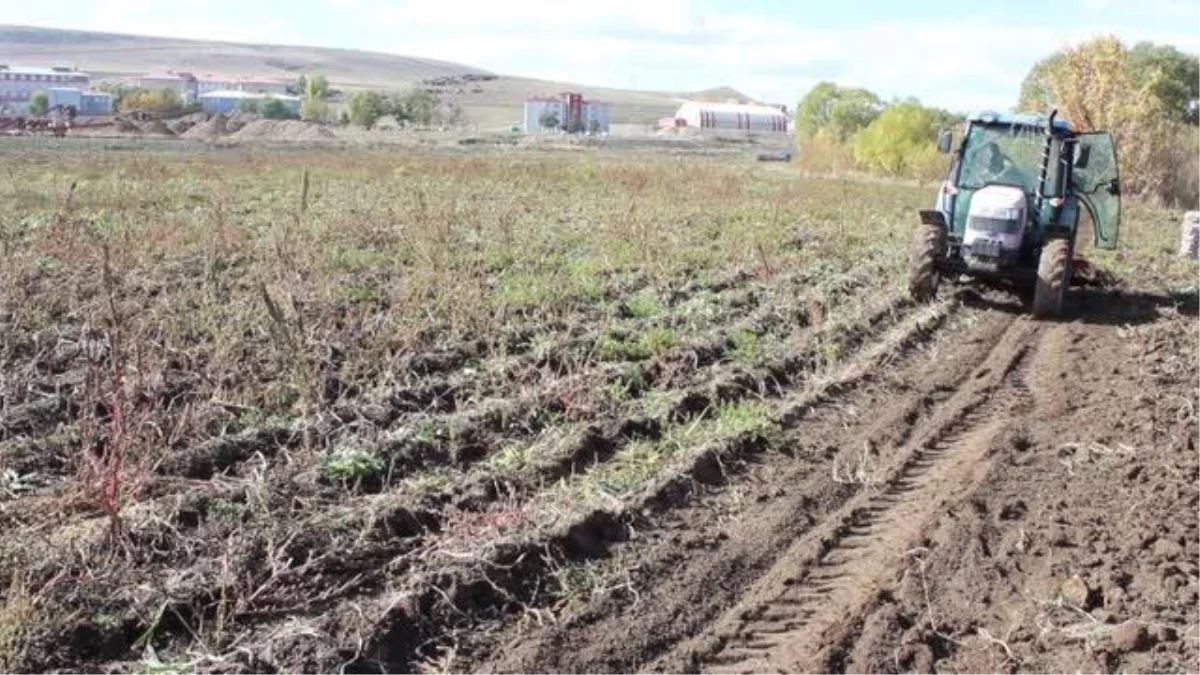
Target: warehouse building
pixel 191 87
pixel 569 112
pixel 183 84
pixel 230 101
pixel 730 117
pixel 17 84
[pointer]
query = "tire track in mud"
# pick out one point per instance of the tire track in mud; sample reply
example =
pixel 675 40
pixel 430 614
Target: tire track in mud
pixel 779 496
pixel 798 608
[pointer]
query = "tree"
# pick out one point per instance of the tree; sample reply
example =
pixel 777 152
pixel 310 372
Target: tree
pixel 366 107
pixel 843 111
pixel 274 109
pixel 1100 85
pixel 1178 83
pixel 1036 96
pixel 249 105
pixel 314 110
pixel 39 103
pixel 901 138
pixel 549 119
pixel 315 87
pixel 420 107
pixel 313 92
pixel 162 102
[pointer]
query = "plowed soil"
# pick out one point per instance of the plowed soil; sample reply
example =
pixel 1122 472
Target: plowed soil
pixel 264 410
pixel 1013 498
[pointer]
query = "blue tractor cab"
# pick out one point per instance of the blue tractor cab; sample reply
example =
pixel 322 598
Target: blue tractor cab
pixel 1011 204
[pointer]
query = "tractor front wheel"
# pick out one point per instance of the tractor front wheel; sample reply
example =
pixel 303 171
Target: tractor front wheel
pixel 1054 268
pixel 929 245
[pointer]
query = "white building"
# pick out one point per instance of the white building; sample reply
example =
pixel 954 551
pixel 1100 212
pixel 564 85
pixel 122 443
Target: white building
pixel 732 116
pixel 17 84
pixel 571 112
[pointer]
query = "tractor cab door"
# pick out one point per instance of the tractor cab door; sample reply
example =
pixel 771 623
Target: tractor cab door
pixel 1096 181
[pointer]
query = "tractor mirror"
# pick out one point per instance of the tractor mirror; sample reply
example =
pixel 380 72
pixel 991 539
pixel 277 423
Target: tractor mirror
pixel 1082 154
pixel 945 139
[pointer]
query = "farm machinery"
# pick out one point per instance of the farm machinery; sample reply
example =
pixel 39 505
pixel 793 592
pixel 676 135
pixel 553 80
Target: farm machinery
pixel 1010 206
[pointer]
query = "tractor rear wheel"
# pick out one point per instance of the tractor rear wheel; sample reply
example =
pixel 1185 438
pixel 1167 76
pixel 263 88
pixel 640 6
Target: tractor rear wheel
pixel 929 245
pixel 1054 268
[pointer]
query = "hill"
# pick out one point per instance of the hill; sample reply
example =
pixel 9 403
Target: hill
pixel 493 100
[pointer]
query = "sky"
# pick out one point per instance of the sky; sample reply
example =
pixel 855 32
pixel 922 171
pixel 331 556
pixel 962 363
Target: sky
pixel 961 56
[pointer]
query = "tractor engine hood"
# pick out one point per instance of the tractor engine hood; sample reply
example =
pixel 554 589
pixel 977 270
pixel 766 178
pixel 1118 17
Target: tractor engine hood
pixel 995 224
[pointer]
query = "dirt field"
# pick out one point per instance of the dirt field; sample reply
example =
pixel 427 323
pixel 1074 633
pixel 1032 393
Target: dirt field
pixel 510 411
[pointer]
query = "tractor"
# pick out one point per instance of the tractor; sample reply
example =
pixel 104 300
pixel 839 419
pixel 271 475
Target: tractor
pixel 1011 204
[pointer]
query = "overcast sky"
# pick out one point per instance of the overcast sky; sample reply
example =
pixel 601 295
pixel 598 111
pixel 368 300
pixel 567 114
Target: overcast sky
pixel 959 55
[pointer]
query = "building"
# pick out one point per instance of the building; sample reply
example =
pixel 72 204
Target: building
pixel 732 116
pixel 183 84
pixel 231 100
pixel 262 85
pixel 17 84
pixel 209 83
pixel 65 97
pixel 190 86
pixel 96 103
pixel 566 111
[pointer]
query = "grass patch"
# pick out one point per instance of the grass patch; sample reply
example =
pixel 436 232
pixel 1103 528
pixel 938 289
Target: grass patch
pixel 634 466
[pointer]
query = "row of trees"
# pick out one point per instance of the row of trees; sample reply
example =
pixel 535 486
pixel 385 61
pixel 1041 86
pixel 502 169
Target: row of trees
pixel 845 128
pixel 415 106
pixel 1147 96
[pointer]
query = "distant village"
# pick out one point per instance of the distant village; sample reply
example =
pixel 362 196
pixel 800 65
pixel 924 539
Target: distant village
pixel 63 89
pixel 66 87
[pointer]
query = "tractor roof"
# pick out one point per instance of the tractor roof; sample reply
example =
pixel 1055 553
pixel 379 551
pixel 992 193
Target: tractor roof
pixel 1020 119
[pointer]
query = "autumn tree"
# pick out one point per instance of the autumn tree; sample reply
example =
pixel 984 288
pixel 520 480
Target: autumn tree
pixel 1136 96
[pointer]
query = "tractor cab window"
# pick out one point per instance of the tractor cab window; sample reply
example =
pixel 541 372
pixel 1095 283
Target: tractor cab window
pixel 1002 154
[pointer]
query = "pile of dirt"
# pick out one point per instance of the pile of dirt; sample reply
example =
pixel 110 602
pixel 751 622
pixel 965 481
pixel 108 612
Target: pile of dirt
pixel 157 127
pixel 238 120
pixel 214 127
pixel 283 130
pixel 126 126
pixel 185 123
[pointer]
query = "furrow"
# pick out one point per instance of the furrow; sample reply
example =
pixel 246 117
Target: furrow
pixel 837 569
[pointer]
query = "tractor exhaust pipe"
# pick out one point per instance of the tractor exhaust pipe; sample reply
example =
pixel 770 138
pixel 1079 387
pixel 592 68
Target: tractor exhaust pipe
pixel 1046 151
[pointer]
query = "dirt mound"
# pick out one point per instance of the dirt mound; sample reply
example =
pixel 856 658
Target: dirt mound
pixel 128 127
pixel 283 130
pixel 183 124
pixel 238 120
pixel 157 127
pixel 206 131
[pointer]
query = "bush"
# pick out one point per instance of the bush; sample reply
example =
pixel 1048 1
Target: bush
pixel 366 107
pixel 823 153
pixel 164 102
pixel 314 110
pixel 274 109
